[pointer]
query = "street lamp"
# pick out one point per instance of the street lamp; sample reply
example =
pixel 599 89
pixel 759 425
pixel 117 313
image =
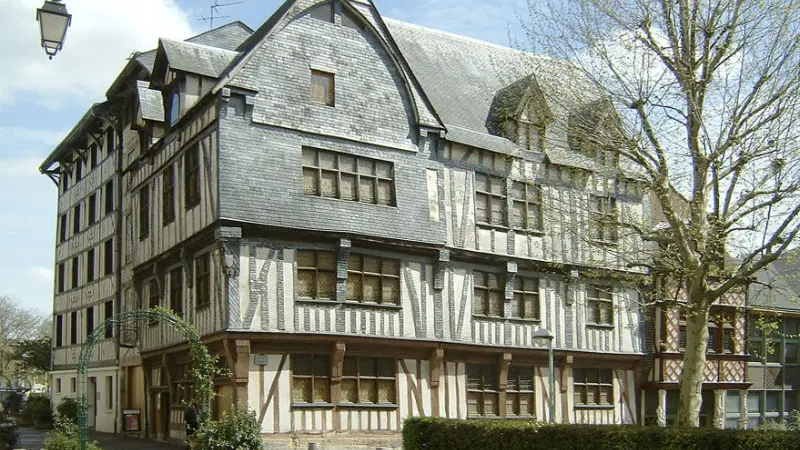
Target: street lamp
pixel 53 20
pixel 542 333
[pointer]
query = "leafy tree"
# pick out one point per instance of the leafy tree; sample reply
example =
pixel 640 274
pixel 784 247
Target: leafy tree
pixel 16 324
pixel 33 354
pixel 706 98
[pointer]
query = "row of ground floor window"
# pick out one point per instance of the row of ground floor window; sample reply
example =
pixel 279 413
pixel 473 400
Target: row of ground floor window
pixel 725 408
pixel 328 392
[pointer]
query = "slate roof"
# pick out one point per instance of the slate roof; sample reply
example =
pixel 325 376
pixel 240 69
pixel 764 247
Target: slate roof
pixel 197 58
pixel 227 37
pixel 782 278
pixel 462 76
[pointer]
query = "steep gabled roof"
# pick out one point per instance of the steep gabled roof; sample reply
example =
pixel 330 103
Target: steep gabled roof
pixel 193 58
pixel 228 36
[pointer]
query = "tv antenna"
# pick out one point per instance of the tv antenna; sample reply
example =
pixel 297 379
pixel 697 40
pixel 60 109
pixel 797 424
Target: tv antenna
pixel 215 14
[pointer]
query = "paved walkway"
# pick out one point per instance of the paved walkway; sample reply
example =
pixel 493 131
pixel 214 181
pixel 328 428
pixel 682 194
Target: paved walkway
pixel 32 439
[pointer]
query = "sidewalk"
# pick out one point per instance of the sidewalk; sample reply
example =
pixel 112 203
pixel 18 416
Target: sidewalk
pixel 32 439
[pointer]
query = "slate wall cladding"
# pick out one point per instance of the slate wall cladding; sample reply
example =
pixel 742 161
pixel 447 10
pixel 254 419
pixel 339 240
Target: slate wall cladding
pixel 371 99
pixel 261 151
pixel 261 182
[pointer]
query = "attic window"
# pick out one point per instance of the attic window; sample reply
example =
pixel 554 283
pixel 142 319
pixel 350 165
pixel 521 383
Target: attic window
pixel 174 107
pixel 322 87
pixel 322 12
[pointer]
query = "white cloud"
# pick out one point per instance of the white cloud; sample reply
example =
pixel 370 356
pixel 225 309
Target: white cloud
pixel 16 135
pixel 102 35
pixel 19 166
pixel 41 274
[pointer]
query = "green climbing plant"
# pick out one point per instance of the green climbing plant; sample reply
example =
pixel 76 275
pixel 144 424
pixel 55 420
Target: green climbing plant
pixel 203 369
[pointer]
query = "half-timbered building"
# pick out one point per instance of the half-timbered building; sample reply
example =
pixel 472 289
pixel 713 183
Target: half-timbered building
pixel 370 220
pixel 85 167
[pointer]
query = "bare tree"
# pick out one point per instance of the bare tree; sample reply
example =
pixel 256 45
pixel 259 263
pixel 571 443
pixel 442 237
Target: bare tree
pixel 16 324
pixel 707 96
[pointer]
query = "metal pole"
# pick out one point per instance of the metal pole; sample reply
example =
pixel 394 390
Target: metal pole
pixel 552 380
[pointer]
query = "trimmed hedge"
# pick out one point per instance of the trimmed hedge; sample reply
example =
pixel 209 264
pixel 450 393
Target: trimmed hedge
pixel 447 434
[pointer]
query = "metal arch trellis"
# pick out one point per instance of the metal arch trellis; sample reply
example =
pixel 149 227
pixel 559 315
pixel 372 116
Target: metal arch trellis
pixel 203 364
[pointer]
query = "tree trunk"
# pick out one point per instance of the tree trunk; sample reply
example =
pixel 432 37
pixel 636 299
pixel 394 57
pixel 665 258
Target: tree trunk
pixel 694 364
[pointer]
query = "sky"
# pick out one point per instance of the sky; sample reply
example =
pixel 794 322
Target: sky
pixel 41 99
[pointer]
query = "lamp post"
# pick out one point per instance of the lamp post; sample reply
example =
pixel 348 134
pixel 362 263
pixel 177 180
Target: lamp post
pixel 53 21
pixel 542 333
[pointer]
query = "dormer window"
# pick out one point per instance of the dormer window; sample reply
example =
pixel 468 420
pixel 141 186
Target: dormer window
pixel 174 105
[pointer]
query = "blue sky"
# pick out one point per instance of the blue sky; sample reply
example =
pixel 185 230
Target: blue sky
pixel 40 100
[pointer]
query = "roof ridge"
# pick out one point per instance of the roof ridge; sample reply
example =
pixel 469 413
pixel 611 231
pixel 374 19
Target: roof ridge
pixel 235 22
pixel 195 44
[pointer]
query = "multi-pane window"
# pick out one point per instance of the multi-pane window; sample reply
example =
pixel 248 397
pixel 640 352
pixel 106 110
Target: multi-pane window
pixel 191 178
pixel 90 265
pixel 176 291
pixel 519 391
pixel 109 392
pixel 593 387
pixel 89 320
pixel 721 333
pixel 311 382
pixel 78 170
pixel 525 303
pixel 93 156
pixel 168 195
pixel 63 228
pixel 368 380
pixel 109 197
pixel 347 177
pixel 75 271
pixel 109 313
pixel 73 327
pixel 154 300
pixel 59 330
pixel 202 280
pixel 76 219
pixel 316 274
pixel 373 280
pixel 110 140
pixel 323 87
pixel 108 257
pixel 490 200
pixel 603 211
pixel 482 397
pixel 599 305
pixel 526 201
pixel 62 278
pixel 488 289
pixel 92 209
pixel 144 212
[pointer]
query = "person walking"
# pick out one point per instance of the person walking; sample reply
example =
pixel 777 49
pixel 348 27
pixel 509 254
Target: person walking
pixel 190 417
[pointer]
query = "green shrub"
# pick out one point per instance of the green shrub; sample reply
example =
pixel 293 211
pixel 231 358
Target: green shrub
pixel 68 409
pixel 38 409
pixel 8 435
pixel 237 430
pixel 443 434
pixel 67 436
